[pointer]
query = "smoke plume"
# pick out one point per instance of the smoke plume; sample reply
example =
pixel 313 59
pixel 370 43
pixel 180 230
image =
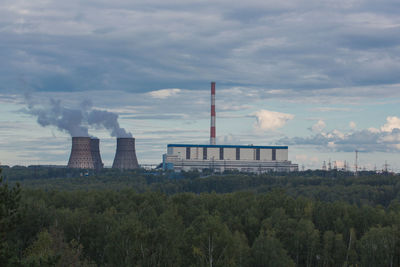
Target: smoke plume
pixel 107 120
pixel 76 122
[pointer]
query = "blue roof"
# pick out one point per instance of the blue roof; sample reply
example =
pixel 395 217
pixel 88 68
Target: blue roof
pixel 228 146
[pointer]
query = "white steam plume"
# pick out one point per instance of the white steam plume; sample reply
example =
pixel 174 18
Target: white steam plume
pixel 76 122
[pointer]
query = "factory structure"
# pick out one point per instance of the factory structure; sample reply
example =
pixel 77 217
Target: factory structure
pixel 220 158
pixel 125 156
pixel 85 154
pixel 81 153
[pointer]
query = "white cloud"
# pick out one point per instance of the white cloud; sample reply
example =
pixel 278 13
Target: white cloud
pixel 270 120
pixel 373 130
pixel 352 125
pixel 338 134
pixel 397 146
pixel 392 137
pixel 319 126
pixel 331 144
pixel 164 93
pixel 391 123
pixel 385 139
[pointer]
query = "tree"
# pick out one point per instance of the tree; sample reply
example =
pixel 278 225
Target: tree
pixel 334 249
pixel 306 242
pixel 267 250
pixel 378 247
pixel 211 241
pixel 9 203
pixel 50 249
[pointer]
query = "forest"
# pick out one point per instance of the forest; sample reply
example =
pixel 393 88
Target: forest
pixel 61 217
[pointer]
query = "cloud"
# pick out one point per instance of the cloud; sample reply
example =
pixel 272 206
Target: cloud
pixel 121 45
pixel 319 126
pixel 164 93
pixel 373 130
pixel 391 123
pixel 330 109
pixel 120 53
pixel 270 120
pixel 361 140
pixel 352 125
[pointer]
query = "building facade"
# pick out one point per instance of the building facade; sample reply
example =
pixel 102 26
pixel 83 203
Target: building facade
pixel 219 158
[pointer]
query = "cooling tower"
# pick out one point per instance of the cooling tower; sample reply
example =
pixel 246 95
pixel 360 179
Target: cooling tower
pixel 81 156
pixel 125 156
pixel 95 151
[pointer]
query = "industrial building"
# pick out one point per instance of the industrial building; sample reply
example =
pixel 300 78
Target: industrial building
pixel 220 158
pixel 81 153
pixel 125 155
pixel 95 151
pixel 85 154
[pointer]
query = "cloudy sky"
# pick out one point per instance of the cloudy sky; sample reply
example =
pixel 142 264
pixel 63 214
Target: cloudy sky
pixel 320 76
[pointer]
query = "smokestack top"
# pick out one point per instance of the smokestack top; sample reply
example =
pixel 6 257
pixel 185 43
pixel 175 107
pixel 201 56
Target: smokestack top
pixel 81 156
pixel 126 143
pixel 80 139
pixel 125 156
pixel 212 126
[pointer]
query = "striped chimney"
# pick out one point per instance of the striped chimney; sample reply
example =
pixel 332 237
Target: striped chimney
pixel 212 128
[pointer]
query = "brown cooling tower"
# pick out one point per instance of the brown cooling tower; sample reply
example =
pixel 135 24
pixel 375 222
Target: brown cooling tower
pixel 95 151
pixel 125 156
pixel 81 156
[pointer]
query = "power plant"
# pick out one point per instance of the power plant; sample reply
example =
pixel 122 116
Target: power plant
pixel 220 158
pixel 125 156
pixel 85 154
pixel 95 151
pixel 81 155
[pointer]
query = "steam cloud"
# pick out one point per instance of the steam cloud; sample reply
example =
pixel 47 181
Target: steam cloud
pixel 76 122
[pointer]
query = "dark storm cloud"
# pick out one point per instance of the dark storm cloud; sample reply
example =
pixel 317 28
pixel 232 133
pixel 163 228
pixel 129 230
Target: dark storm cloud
pixel 148 45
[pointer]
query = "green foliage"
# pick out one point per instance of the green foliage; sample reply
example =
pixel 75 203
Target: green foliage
pixel 378 246
pixel 267 250
pixel 367 189
pixel 49 249
pixel 9 216
pixel 142 219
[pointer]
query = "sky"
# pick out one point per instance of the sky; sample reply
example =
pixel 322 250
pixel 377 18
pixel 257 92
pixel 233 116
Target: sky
pixel 319 76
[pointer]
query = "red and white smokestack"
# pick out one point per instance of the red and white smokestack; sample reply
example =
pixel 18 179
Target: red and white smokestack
pixel 212 128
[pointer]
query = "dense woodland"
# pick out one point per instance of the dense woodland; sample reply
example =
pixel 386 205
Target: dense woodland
pixel 56 217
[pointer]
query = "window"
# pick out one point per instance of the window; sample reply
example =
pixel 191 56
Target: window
pixel 204 153
pixel 221 153
pixel 257 154
pixel 237 153
pixel 274 154
pixel 188 153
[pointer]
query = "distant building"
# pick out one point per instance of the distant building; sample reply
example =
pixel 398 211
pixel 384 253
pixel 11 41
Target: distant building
pixel 219 158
